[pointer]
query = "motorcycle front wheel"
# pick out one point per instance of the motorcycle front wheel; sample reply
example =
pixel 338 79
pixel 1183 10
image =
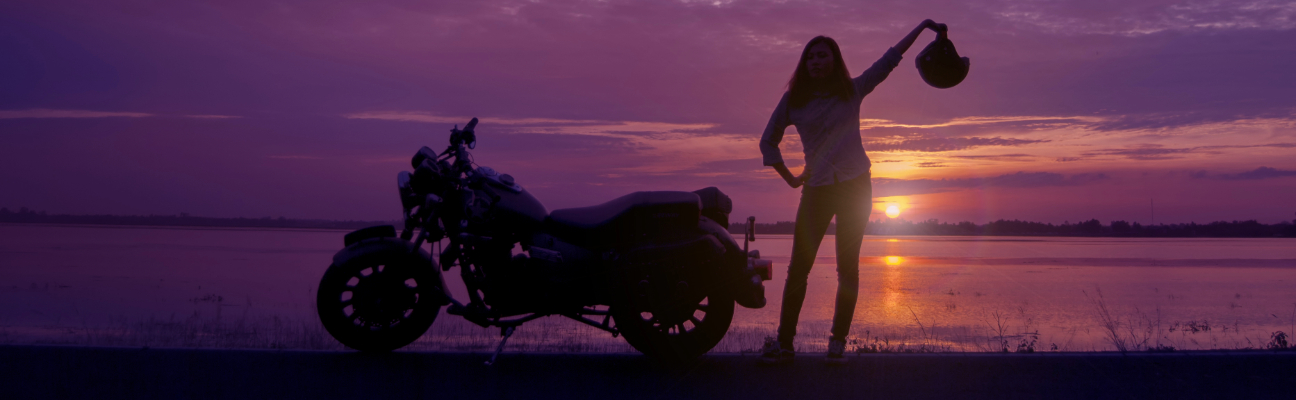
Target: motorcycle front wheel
pixel 669 322
pixel 380 300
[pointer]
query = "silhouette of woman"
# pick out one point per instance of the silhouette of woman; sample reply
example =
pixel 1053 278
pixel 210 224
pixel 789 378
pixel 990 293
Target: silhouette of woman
pixel 823 102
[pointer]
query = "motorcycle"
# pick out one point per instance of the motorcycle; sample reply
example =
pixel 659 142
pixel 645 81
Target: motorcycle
pixel 662 263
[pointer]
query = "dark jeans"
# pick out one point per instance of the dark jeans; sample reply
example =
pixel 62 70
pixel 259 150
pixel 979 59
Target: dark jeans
pixel 851 201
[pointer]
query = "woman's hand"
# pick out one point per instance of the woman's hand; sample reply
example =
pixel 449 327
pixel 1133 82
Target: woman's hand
pixel 804 177
pixel 909 39
pixel 929 24
pixel 793 181
pixel 933 26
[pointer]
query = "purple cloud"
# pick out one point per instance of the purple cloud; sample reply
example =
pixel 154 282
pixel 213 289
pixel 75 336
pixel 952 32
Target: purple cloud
pixel 1259 173
pixel 998 157
pixel 1159 152
pixel 47 113
pixel 901 187
pixel 928 142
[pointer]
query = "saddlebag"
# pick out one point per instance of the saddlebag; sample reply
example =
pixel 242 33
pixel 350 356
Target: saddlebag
pixel 715 205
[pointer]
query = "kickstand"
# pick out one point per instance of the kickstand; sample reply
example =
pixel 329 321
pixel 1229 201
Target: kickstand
pixel 507 332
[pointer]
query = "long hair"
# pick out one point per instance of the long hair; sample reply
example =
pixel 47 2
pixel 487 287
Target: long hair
pixel 838 82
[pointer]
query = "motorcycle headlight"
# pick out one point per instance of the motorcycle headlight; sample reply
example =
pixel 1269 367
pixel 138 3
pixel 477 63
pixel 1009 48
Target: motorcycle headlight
pixel 425 176
pixel 408 200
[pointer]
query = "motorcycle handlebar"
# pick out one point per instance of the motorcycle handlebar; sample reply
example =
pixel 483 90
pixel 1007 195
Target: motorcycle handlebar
pixel 464 136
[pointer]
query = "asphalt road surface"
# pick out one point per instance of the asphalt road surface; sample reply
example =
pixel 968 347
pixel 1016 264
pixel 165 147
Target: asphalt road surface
pixel 41 372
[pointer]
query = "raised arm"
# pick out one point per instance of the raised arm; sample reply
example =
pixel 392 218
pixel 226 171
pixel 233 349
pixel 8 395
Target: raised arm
pixel 874 75
pixel 909 39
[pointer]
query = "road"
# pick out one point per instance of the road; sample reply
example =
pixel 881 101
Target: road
pixel 39 372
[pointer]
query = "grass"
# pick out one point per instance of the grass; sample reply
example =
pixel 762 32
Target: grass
pixel 218 331
pixel 1139 331
pixel 555 335
pixel 1000 331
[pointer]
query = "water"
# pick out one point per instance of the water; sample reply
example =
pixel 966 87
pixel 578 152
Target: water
pixel 966 293
pixel 255 287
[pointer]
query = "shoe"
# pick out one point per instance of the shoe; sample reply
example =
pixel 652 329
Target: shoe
pixel 836 351
pixel 774 353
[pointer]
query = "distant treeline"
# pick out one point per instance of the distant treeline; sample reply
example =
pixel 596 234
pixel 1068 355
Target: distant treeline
pixel 1091 227
pixel 23 215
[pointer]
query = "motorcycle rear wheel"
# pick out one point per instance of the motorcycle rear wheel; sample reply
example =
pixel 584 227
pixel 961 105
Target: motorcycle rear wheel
pixel 379 301
pixel 675 331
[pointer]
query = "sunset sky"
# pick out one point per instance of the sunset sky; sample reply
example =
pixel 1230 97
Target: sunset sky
pixel 1072 109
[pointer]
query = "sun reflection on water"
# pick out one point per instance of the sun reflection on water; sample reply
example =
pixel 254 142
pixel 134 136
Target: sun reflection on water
pixel 891 287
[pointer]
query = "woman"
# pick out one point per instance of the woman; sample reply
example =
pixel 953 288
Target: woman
pixel 823 102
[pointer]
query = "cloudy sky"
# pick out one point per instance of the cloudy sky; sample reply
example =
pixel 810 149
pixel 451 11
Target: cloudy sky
pixel 1072 110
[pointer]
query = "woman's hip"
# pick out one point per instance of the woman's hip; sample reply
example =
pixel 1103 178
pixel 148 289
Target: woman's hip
pixel 848 191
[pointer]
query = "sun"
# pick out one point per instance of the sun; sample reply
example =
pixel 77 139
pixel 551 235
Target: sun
pixel 892 211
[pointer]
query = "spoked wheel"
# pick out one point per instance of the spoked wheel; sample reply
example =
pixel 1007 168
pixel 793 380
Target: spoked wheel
pixel 673 319
pixel 379 301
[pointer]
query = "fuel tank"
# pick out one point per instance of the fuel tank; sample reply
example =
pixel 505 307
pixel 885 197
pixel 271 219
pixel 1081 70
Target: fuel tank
pixel 504 202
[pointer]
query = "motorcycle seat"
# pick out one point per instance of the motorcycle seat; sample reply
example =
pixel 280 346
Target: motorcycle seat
pixel 633 215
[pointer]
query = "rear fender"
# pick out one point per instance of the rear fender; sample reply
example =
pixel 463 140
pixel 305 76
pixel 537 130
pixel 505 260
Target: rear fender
pixel 734 261
pixel 393 245
pixel 745 284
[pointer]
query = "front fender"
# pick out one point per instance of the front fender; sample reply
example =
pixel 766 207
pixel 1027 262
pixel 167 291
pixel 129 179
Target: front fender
pixel 393 245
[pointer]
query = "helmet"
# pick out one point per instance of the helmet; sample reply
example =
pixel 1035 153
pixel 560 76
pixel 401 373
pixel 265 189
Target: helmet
pixel 940 65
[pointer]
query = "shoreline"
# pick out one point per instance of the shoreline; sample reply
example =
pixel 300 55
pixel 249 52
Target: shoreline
pixel 889 228
pixel 867 236
pixel 177 227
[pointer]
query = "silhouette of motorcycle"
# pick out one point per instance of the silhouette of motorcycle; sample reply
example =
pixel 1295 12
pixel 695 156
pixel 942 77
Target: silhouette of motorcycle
pixel 657 267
